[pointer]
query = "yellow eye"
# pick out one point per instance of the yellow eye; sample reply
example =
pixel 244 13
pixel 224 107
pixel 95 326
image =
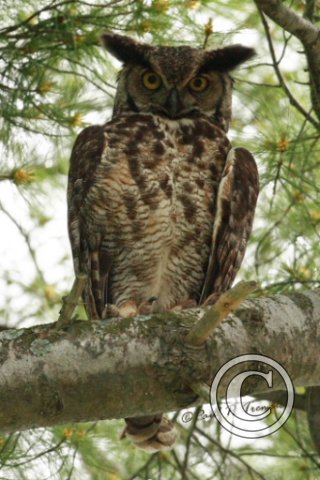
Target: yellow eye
pixel 199 84
pixel 151 80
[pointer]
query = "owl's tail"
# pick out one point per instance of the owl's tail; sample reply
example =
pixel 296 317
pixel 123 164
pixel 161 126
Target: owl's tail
pixel 151 433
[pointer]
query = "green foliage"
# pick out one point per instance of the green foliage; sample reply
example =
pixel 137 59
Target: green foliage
pixel 54 80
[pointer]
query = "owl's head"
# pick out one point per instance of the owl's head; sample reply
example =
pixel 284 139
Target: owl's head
pixel 175 82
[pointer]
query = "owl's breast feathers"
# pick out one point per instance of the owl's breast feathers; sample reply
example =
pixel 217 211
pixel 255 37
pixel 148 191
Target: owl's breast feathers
pixel 145 217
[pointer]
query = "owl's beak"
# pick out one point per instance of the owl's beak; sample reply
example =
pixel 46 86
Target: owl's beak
pixel 173 104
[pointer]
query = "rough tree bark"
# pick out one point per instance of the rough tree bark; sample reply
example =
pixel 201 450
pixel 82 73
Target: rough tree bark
pixel 307 32
pixel 128 367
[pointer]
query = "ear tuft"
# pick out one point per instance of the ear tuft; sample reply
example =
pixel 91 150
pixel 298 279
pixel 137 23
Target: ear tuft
pixel 226 59
pixel 125 49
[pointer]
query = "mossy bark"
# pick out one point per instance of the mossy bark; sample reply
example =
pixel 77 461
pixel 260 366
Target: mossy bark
pixel 130 367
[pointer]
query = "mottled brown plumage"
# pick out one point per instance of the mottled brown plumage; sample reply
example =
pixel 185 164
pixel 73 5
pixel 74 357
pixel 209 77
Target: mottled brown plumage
pixel 160 205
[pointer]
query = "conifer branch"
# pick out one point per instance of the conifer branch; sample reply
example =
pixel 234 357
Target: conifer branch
pixel 226 304
pixel 70 302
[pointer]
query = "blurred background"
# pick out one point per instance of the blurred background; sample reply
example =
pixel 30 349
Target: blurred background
pixel 56 79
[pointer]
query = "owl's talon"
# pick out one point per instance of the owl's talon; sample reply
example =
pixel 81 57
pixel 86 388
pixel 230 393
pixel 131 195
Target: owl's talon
pixel 110 310
pixel 147 307
pixel 189 303
pixel 126 310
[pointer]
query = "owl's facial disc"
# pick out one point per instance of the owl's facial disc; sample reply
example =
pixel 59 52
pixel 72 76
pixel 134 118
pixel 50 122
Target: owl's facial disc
pixel 151 91
pixel 193 81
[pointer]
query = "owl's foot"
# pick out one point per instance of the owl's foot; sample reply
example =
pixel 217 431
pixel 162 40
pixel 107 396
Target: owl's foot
pixel 147 307
pixel 152 433
pixel 189 303
pixel 129 309
pixel 126 310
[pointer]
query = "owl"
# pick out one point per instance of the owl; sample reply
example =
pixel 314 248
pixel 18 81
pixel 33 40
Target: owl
pixel 160 206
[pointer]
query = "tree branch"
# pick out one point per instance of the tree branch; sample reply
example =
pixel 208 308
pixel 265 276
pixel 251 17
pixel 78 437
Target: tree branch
pixel 226 304
pixel 129 367
pixel 293 101
pixel 290 21
pixel 70 302
pixel 307 33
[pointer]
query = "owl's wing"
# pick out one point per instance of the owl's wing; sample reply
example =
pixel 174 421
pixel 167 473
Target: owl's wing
pixel 85 237
pixel 236 201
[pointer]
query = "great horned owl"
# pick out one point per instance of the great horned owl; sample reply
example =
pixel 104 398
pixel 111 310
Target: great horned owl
pixel 160 204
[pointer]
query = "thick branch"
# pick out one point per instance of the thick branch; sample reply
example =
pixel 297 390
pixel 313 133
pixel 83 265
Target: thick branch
pixel 129 367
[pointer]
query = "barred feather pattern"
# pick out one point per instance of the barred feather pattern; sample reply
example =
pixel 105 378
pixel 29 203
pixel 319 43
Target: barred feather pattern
pixel 158 209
